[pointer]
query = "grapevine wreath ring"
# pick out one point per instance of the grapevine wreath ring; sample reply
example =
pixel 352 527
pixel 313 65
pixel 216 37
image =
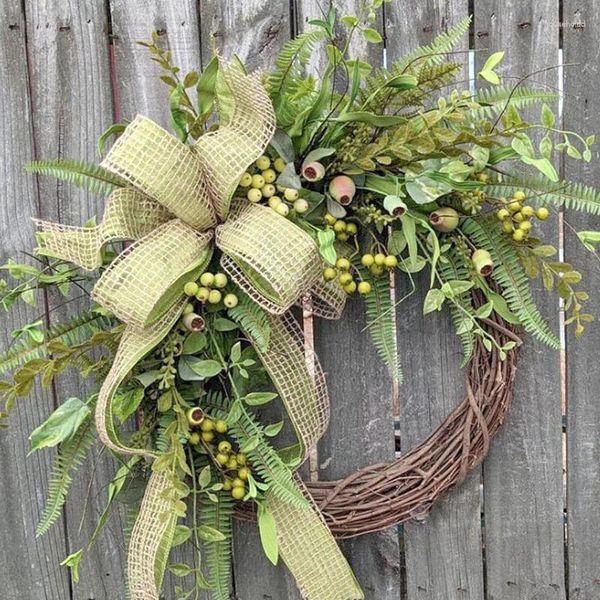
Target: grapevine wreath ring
pixel 386 494
pixel 268 192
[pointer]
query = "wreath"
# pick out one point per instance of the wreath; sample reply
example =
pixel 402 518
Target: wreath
pixel 277 190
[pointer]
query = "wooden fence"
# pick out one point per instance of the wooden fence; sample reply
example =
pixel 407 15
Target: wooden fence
pixel 526 525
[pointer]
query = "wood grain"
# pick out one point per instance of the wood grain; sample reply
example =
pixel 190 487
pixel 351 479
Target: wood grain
pixel 523 474
pixel 29 566
pixel 72 105
pixel 581 22
pixel 443 549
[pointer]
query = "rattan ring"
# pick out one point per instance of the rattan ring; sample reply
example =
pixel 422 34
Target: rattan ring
pixel 383 495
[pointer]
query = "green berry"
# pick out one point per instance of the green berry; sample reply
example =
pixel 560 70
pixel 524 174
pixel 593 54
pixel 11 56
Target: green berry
pixel 342 263
pixel 502 214
pixel 542 213
pixel 258 181
pixel 268 190
pixel 525 226
pixel 264 162
pixel 350 288
pixel 203 294
pixel 243 473
pixel 364 287
pixel 238 493
pixel 290 194
pixel 241 459
pixel 254 195
pixel 301 206
pixel 329 274
pixel 518 235
pixel 282 209
pixel 343 236
pixel 329 219
pixel 279 164
pixel 188 309
pixel 230 300
pixel 518 217
pixel 220 280
pixel 207 425
pixel 227 486
pixel 274 202
pixel 519 195
pixel 191 288
pixel 514 206
pixel 221 426
pixel 367 260
pixel 351 228
pixel 269 175
pixel 224 447
pixel 376 270
pixel 345 278
pixel 207 279
pixel 222 459
pixel 207 436
pixel 238 483
pixel 507 227
pixel 528 211
pixel 194 438
pixel 391 262
pixel 379 259
pixel 232 463
pixel 246 180
pixel 214 297
pixel 339 226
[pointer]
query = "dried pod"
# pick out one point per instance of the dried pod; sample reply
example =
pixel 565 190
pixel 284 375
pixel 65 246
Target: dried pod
pixel 194 322
pixel 444 219
pixel 342 189
pixel 313 171
pixel 482 260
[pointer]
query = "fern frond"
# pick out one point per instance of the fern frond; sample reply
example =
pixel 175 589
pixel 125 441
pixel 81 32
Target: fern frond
pixel 75 331
pixel 70 456
pixel 575 196
pixel 87 176
pixel 253 321
pixel 266 461
pixel 218 554
pixel 511 277
pixel 494 100
pixel 380 323
pixel 455 269
pixel 435 52
pixel 291 61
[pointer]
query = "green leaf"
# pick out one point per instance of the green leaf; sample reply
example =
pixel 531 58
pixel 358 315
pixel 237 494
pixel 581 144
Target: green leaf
pixel 488 72
pixel 433 301
pixel 126 402
pixel 548 119
pixel 250 444
pixel 259 398
pixel 372 35
pixel 182 534
pixel 522 145
pixel 543 165
pixel 371 119
pixel 402 82
pixel 267 528
pixel 209 534
pixel 72 561
pixel 206 86
pixel 221 324
pixel 273 429
pixel 195 342
pixel 61 425
pixel 205 477
pixel 180 569
pixel 192 368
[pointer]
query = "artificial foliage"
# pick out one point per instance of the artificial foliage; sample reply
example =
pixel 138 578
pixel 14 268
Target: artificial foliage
pixel 272 191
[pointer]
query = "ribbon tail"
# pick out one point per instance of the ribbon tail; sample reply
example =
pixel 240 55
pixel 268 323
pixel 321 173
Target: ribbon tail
pixel 151 540
pixel 129 215
pixel 310 552
pixel 135 343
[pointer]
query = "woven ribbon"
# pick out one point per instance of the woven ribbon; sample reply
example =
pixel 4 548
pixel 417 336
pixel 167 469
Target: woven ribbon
pixel 178 204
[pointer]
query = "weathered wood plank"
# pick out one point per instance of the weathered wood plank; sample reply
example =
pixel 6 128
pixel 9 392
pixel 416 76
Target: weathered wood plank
pixel 72 105
pixel 523 475
pixel 177 23
pixel 361 430
pixel 443 550
pixel 29 566
pixel 255 31
pixel 581 22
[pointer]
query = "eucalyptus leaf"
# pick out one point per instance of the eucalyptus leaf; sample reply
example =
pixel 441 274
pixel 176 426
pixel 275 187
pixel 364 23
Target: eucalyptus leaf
pixel 259 398
pixel 61 425
pixel 195 342
pixel 289 178
pixel 267 528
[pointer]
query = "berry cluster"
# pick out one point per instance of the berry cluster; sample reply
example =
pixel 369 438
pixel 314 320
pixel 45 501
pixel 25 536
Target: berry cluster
pixel 343 273
pixel 211 435
pixel 378 263
pixel 261 185
pixel 472 201
pixel 516 217
pixel 344 230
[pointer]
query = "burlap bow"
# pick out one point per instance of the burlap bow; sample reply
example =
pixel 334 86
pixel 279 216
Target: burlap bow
pixel 176 204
